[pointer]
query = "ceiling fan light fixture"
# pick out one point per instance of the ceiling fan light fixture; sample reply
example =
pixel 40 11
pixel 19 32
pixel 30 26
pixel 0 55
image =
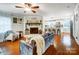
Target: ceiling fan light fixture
pixel 27 9
pixel 34 4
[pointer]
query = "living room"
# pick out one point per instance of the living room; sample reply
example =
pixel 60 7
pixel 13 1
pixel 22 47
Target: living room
pixel 32 29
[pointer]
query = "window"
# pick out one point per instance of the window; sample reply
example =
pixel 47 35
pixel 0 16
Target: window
pixel 5 24
pixel 66 25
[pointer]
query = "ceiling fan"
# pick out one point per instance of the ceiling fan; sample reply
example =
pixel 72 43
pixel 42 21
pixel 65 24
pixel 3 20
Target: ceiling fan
pixel 30 6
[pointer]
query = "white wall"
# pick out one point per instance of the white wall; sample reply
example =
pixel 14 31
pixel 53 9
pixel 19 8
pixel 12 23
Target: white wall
pixel 76 24
pixel 17 27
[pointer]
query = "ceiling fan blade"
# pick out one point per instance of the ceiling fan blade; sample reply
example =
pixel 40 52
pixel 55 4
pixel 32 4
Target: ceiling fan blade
pixel 28 4
pixel 35 7
pixel 33 11
pixel 19 6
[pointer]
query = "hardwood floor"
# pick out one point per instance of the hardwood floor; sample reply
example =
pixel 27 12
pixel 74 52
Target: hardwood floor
pixel 61 49
pixel 12 47
pixel 58 48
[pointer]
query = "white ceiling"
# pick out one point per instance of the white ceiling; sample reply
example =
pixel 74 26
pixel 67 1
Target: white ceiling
pixel 46 9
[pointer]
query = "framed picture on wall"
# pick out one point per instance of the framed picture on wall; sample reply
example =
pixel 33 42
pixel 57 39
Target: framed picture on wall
pixel 14 19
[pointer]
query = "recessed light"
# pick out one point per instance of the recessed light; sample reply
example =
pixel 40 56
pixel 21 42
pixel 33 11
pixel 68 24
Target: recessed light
pixel 68 6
